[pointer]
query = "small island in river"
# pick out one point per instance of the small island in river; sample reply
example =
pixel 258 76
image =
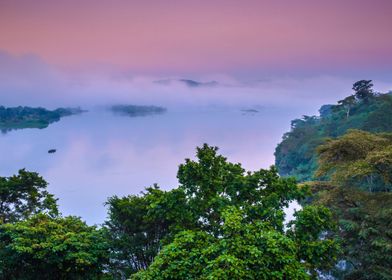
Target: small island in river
pixel 28 117
pixel 137 110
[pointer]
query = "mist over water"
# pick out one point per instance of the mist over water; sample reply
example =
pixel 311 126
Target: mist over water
pixel 29 80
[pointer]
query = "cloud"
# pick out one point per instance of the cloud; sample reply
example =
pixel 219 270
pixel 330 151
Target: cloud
pixel 28 80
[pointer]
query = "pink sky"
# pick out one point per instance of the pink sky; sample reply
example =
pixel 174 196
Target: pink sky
pixel 216 36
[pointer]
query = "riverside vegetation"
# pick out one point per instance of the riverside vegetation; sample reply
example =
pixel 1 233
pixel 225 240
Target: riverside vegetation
pixel 345 157
pixel 223 222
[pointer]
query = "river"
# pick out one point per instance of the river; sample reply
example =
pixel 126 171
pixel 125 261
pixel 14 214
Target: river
pixel 100 154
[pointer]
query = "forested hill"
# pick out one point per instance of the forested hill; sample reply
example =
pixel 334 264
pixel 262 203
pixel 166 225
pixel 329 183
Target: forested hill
pixel 27 117
pixel 364 109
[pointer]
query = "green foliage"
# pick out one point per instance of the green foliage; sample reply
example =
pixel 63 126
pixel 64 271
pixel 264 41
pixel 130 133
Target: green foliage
pixel 244 250
pixel 43 247
pixel 365 223
pixel 137 226
pixel 365 110
pixel 347 103
pixel 363 90
pixel 359 159
pixel 24 195
pixel 222 222
pixel 235 226
pixel 311 223
pixel 360 167
pixel 212 183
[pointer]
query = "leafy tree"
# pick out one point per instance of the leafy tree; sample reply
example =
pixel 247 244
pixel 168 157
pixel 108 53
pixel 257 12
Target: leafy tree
pixel 245 250
pixel 348 103
pixel 24 195
pixel 365 230
pixel 363 90
pixel 236 228
pixel 358 158
pixel 138 225
pixel 43 247
pixel 326 110
pixel 212 183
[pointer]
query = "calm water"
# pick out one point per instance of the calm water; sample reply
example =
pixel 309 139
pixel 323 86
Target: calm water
pixel 100 154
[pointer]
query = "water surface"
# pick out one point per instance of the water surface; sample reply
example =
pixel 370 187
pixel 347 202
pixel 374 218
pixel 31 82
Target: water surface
pixel 100 154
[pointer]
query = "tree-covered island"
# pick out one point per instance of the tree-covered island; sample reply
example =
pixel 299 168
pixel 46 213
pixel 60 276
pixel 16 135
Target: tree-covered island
pixel 28 117
pixel 137 110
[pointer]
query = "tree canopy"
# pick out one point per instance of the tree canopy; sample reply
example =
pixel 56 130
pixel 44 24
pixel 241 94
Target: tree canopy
pixel 359 195
pixel 247 250
pixel 358 158
pixel 36 241
pixel 221 222
pixel 24 195
pixel 137 226
pixel 348 150
pixel 363 90
pixel 365 110
pixel 235 226
pixel 365 235
pixel 51 248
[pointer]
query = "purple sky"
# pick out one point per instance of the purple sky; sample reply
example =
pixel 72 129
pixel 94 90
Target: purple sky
pixel 259 51
pixel 221 36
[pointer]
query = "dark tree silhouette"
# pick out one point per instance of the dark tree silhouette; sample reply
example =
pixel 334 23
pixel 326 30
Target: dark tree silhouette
pixel 363 90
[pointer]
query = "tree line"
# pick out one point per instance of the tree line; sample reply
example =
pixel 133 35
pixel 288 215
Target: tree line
pixel 364 109
pixel 221 222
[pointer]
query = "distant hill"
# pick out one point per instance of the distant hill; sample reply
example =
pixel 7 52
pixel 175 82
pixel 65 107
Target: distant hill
pixel 137 110
pixel 365 110
pixel 189 83
pixel 28 117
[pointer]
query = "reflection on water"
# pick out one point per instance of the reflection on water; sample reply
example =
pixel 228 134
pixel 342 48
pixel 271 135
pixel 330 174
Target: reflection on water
pixel 101 154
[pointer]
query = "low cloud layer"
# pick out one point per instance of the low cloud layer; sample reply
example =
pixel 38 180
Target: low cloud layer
pixel 28 80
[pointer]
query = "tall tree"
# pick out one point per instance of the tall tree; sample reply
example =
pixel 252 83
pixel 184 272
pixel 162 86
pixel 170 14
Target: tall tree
pixel 238 229
pixel 24 195
pixel 363 90
pixel 137 226
pixel 348 103
pixel 211 183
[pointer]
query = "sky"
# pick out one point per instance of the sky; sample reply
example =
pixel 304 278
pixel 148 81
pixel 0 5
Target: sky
pixel 85 48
